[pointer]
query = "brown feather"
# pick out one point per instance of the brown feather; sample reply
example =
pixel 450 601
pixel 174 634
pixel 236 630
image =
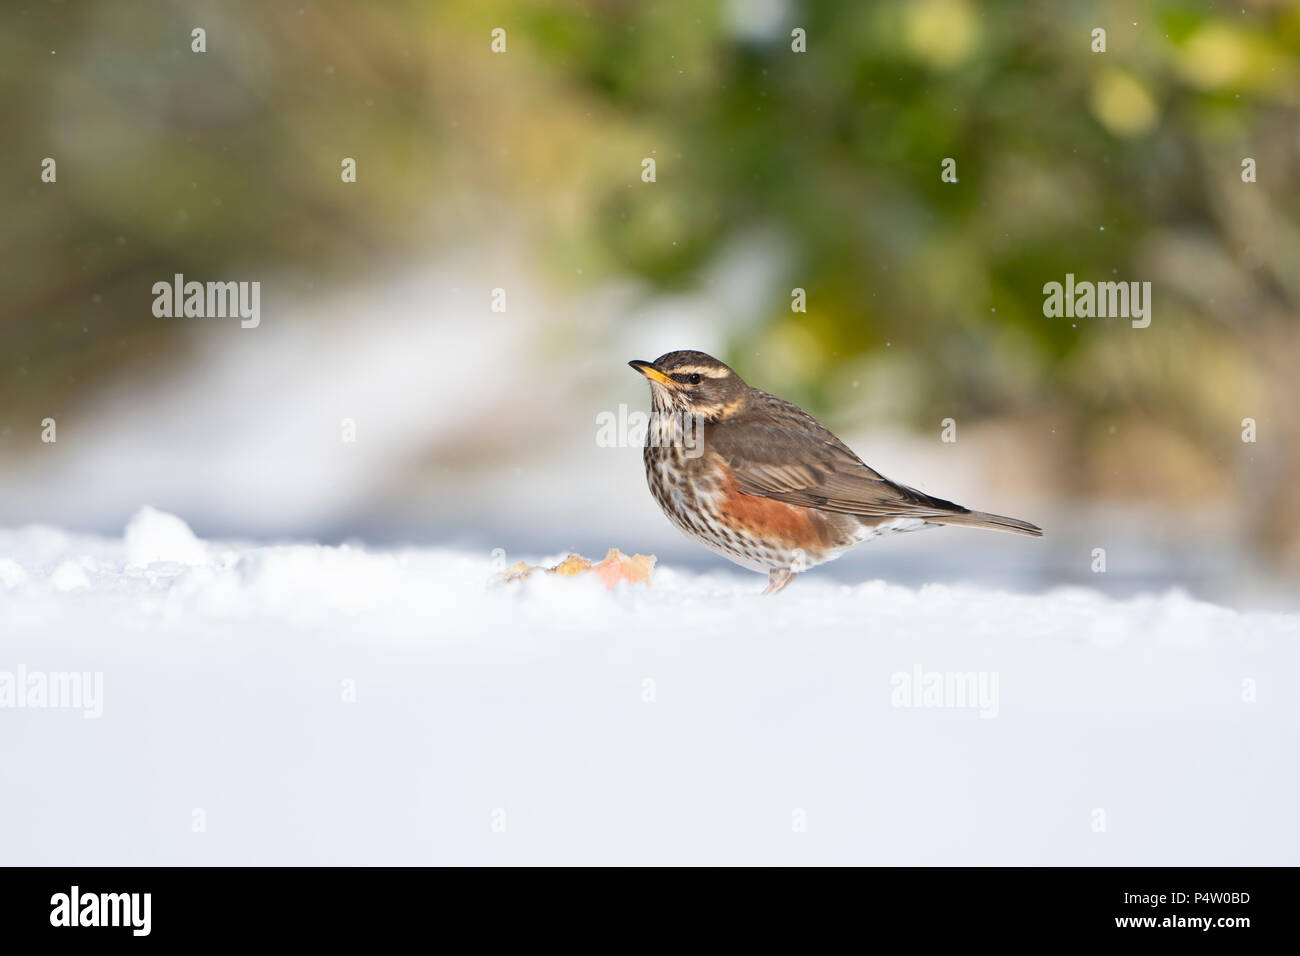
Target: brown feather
pixel 785 454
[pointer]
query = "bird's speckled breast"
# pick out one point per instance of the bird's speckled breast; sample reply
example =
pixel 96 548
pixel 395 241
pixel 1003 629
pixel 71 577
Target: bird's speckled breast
pixel 700 496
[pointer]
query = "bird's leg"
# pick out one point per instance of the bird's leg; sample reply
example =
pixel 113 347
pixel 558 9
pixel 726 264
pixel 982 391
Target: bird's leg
pixel 778 578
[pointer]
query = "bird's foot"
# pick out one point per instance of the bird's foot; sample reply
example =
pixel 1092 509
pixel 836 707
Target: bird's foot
pixel 778 578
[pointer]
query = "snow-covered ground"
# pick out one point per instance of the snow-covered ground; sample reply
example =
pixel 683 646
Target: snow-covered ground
pixel 305 704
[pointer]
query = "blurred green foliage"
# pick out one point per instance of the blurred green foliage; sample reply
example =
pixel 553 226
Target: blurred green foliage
pixel 1123 164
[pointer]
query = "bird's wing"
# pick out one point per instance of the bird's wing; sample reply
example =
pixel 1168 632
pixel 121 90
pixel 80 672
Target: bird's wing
pixel 786 454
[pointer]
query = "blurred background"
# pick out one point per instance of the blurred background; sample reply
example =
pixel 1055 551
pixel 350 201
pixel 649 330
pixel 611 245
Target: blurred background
pixel 522 171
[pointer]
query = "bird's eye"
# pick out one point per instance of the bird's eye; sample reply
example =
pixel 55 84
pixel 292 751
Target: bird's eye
pixel 693 379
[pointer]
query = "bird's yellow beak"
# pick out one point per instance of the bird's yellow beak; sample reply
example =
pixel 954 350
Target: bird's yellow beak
pixel 653 374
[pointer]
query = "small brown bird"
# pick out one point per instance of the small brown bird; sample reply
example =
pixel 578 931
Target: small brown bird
pixel 762 482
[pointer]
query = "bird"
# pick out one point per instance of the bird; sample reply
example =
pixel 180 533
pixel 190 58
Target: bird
pixel 761 482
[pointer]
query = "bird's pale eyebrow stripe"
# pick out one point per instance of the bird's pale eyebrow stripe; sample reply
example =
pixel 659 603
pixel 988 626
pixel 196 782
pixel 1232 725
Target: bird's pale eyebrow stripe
pixel 701 370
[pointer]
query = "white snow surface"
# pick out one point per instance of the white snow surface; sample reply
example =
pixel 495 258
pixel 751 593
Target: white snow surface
pixel 552 721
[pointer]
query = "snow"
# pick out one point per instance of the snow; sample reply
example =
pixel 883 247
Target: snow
pixel 69 576
pixel 295 703
pixel 11 573
pixel 154 537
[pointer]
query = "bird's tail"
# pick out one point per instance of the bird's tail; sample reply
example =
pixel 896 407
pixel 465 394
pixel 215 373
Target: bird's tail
pixel 981 519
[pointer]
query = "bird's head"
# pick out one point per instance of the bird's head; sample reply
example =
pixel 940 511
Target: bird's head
pixel 694 384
